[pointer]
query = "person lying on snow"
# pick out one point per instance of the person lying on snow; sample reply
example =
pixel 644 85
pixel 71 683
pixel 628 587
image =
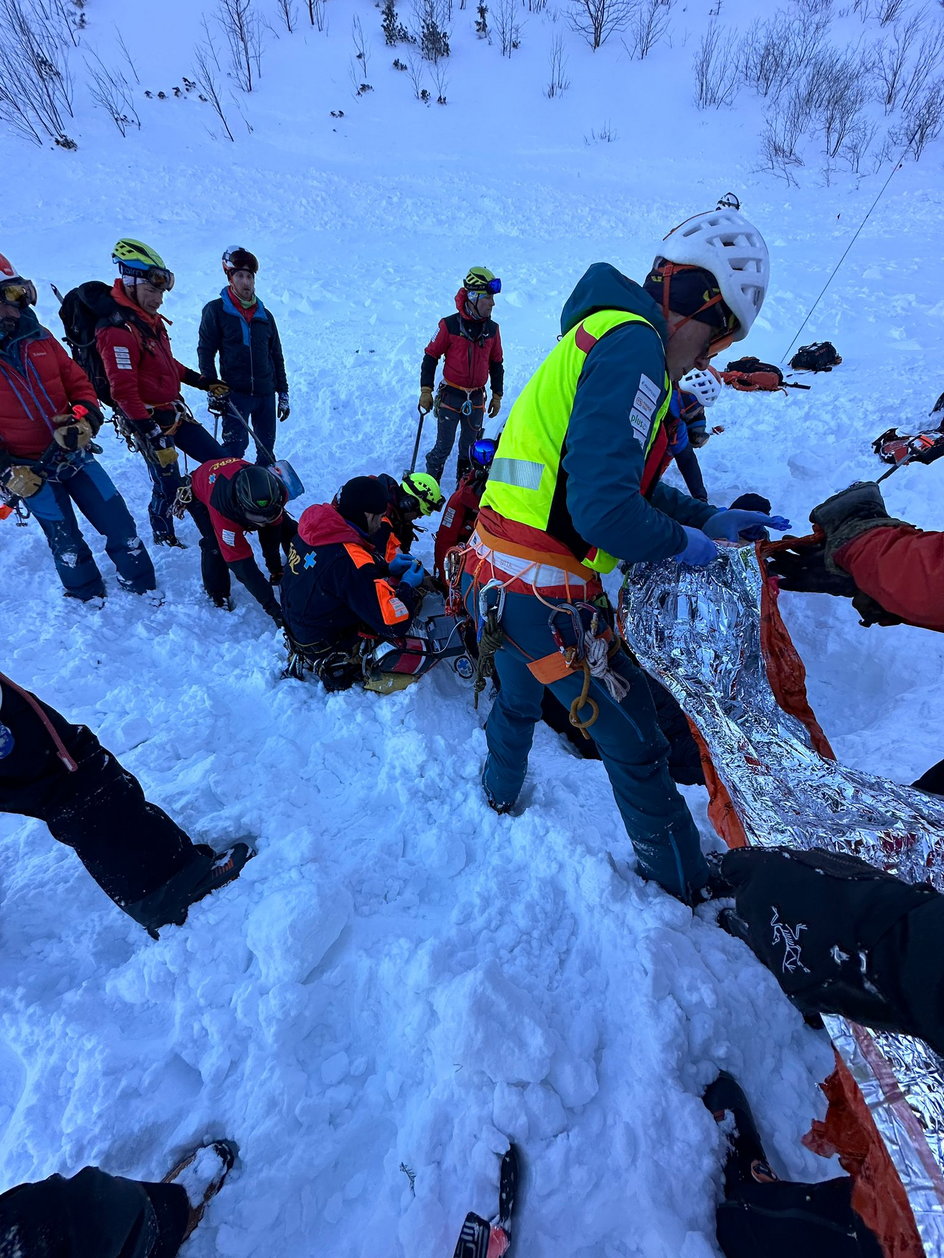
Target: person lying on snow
pixel 338 588
pixel 415 496
pixel 97 1215
pixel 240 498
pixel 62 775
pixel 892 571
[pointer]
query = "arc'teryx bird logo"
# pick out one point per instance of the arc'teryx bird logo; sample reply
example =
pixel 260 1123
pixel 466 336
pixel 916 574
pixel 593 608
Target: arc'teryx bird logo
pixel 789 936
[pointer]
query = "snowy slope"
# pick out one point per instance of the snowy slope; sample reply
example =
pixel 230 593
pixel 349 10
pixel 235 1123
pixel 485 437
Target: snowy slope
pixel 401 977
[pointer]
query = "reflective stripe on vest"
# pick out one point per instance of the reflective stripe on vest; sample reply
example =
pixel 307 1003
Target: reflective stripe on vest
pixel 524 475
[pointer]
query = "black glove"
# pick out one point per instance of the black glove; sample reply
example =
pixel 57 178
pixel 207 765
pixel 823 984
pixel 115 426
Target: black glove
pixel 275 611
pixel 847 514
pixel 803 568
pixel 820 921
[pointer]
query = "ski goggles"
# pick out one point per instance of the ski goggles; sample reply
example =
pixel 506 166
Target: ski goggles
pixel 18 293
pixel 491 287
pixel 157 276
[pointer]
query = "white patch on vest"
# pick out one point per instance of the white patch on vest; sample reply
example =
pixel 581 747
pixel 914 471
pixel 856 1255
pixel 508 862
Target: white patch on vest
pixel 448 517
pixel 644 404
pixel 229 537
pixel 398 607
pixel 122 357
pixel 649 388
pixel 641 425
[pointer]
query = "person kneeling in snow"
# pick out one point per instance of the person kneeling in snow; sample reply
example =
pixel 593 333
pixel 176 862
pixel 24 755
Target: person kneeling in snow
pixel 408 500
pixel 337 587
pixel 240 498
pixel 892 571
pixel 61 774
pixel 97 1215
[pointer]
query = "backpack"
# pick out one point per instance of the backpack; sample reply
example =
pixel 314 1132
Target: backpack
pixel 750 375
pixel 820 356
pixel 84 309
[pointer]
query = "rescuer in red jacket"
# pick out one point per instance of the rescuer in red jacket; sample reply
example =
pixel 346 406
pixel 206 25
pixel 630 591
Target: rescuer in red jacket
pixel 892 571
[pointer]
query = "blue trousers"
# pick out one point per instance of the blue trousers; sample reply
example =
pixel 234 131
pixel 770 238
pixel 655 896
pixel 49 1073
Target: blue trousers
pixel 260 413
pixel 632 747
pixel 192 439
pixel 91 489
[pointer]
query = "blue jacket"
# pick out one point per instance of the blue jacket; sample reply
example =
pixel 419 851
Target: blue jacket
pixel 250 350
pixel 603 459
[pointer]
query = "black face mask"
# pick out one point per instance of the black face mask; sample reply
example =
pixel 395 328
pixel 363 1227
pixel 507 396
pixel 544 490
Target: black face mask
pixel 8 325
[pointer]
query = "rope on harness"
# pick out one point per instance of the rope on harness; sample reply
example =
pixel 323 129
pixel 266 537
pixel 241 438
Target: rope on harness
pixel 584 700
pixel 182 499
pixel 490 641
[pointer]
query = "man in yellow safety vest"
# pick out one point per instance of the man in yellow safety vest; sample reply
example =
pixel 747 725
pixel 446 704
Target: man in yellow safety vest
pixel 575 488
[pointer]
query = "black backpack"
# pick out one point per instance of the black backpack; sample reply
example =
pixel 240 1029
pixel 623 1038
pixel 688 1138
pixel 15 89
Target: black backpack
pixel 84 309
pixel 750 366
pixel 820 356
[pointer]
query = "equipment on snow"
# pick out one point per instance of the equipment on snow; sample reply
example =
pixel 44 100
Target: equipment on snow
pixel 419 431
pixel 282 468
pixel 820 356
pixel 900 448
pixel 750 375
pixel 226 1151
pixel 703 385
pixel 480 1238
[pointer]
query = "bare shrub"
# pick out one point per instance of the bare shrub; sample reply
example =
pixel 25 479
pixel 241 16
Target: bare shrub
pixel 649 24
pixel 243 30
pixel 506 26
pixel 835 91
pixel 316 14
pixel 430 34
pixel 773 53
pixel 441 81
pixel 601 135
pixel 597 20
pixel 35 80
pixel 288 12
pixel 923 122
pixel 111 91
pixel 927 62
pixel 892 59
pixel 416 71
pixel 889 10
pixel 815 8
pixel 558 82
pixel 783 130
pixel 208 74
pixel 714 71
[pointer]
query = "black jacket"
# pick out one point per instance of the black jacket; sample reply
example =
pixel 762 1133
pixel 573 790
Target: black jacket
pixel 250 350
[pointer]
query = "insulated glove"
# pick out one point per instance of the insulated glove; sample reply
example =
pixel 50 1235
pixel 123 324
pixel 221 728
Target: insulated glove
pixel 840 936
pixel 803 568
pixel 494 405
pixel 845 515
pixel 21 481
pixel 400 563
pixel 414 574
pixel 425 403
pixel 284 410
pixel 735 525
pixel 73 436
pixel 699 550
pixel 215 388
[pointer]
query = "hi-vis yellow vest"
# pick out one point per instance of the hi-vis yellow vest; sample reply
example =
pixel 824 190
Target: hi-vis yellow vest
pixel 525 472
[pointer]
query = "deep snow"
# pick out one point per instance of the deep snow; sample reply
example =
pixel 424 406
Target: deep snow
pixel 401 981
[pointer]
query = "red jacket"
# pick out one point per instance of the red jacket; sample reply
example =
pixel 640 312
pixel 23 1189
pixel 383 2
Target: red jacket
pixel 43 383
pixel 458 518
pixel 473 354
pixel 230 536
pixel 902 568
pixel 141 369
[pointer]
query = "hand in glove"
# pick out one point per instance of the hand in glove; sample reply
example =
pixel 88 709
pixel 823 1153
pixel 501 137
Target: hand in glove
pixel 400 563
pixel 846 515
pixel 735 525
pixel 284 410
pixel 412 575
pixel 21 481
pixel 74 435
pixel 425 403
pixel 494 405
pixel 698 551
pixel 215 388
pixel 804 569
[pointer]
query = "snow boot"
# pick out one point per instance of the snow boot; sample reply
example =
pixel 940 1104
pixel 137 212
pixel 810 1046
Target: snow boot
pixel 747 1161
pixel 167 905
pixel 201 1175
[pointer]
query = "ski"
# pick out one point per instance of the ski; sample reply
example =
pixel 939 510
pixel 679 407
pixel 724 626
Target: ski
pixel 480 1238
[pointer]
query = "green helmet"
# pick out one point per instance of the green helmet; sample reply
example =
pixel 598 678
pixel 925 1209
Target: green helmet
pixel 425 489
pixel 481 280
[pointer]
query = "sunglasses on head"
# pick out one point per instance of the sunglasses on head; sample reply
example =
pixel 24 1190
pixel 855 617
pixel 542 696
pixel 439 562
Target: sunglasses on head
pixel 492 287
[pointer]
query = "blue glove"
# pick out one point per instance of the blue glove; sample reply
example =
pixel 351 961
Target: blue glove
pixel 728 526
pixel 400 563
pixel 414 574
pixel 699 550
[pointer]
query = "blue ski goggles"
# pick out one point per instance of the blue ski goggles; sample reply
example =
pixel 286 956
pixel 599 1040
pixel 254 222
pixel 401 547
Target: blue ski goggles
pixel 492 286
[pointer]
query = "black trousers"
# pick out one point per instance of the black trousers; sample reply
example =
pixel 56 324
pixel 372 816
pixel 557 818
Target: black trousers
pixel 92 1215
pixel 783 1220
pixel 132 849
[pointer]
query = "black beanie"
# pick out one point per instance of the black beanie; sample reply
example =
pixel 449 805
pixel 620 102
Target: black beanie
pixel 689 289
pixel 361 497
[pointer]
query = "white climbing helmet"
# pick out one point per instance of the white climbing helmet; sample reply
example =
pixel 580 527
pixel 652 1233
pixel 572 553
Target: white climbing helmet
pixel 726 244
pixel 705 385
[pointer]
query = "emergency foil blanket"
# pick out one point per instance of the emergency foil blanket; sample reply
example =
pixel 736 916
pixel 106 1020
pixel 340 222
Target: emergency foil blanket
pixel 698 631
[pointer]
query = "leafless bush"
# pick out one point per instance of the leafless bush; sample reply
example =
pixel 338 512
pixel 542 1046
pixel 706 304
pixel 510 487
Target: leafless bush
pixel 603 135
pixel 857 144
pixel 441 81
pixel 835 91
pixel 815 8
pixel 926 64
pixel 714 71
pixel 558 82
pixel 316 14
pixel 360 45
pixel 208 74
pixel 111 91
pixel 888 10
pixel 597 20
pixel 243 30
pixel 773 52
pixel 288 12
pixel 506 25
pixel 650 21
pixel 536 6
pixel 431 18
pixel 416 71
pixel 781 136
pixel 35 81
pixel 923 122
pixel 892 59
pixel 863 8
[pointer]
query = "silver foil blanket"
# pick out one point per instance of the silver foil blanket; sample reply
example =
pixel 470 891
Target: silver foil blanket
pixel 698 631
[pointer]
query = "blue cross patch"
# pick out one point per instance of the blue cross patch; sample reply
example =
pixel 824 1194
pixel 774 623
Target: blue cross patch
pixel 310 560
